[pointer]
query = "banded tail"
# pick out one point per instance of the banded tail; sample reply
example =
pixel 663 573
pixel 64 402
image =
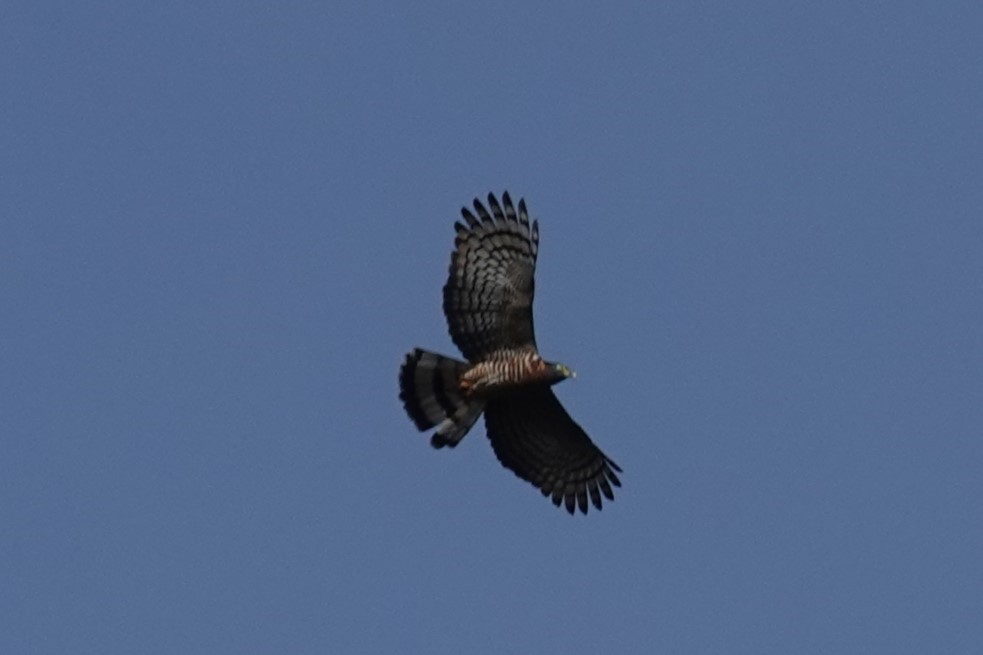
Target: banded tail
pixel 428 387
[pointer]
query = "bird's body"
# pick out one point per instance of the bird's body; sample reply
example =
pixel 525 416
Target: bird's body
pixel 503 370
pixel 488 304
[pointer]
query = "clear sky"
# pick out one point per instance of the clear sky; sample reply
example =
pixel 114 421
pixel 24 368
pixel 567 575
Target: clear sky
pixel 224 223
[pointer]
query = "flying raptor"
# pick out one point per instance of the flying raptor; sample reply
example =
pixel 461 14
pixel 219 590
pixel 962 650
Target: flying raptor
pixel 488 304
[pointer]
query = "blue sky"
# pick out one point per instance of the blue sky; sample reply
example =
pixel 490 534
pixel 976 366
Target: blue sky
pixel 225 223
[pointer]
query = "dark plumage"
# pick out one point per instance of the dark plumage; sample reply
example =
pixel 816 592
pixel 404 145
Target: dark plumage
pixel 488 304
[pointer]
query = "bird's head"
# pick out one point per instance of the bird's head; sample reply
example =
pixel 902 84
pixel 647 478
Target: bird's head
pixel 560 372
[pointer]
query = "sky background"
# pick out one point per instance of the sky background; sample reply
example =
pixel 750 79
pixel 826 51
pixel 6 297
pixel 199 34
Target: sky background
pixel 224 223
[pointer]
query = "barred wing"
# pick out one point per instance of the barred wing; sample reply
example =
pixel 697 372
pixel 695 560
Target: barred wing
pixel 534 437
pixel 488 295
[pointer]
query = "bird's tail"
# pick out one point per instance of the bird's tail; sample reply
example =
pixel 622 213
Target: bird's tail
pixel 428 387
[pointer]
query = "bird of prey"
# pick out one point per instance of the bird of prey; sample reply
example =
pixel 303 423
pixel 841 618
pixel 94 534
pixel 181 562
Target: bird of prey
pixel 488 304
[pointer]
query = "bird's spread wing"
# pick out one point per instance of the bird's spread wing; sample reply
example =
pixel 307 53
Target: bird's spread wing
pixel 534 436
pixel 488 296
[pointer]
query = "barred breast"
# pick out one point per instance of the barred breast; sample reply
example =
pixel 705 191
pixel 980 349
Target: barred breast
pixel 504 369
